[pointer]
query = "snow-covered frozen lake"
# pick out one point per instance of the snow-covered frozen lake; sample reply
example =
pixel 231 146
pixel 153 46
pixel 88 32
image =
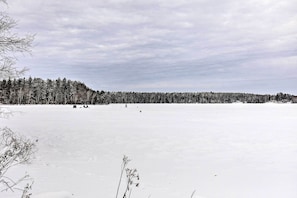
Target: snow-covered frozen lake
pixel 218 150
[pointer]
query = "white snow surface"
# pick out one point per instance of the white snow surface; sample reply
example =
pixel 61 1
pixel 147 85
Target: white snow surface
pixel 216 150
pixel 55 195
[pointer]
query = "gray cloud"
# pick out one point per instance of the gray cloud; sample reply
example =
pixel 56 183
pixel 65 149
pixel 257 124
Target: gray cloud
pixel 164 45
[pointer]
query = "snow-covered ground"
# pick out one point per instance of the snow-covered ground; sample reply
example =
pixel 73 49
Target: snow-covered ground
pixel 216 150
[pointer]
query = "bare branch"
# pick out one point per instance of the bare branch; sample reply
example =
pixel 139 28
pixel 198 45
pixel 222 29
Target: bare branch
pixel 11 44
pixel 192 195
pixel 8 70
pixel 26 190
pixel 14 150
pixel 4 1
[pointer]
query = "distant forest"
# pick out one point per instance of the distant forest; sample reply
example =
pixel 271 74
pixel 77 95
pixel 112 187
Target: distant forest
pixel 63 91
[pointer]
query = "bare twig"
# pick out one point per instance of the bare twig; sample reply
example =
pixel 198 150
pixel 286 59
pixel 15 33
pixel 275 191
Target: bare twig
pixel 126 160
pixel 11 44
pixel 14 150
pixel 26 193
pixel 132 175
pixel 192 195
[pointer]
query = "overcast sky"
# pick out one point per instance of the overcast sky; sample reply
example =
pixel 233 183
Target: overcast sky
pixel 163 45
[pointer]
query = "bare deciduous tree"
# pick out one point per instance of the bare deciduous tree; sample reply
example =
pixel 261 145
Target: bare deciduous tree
pixel 14 150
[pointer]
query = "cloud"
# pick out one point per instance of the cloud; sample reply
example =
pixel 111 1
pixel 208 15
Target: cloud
pixel 125 44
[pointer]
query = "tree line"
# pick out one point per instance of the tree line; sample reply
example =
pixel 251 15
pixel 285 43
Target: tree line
pixel 63 91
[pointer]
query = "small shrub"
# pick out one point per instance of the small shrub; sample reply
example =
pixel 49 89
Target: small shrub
pixel 14 150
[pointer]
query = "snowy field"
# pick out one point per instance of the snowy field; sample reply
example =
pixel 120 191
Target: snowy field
pixel 216 150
